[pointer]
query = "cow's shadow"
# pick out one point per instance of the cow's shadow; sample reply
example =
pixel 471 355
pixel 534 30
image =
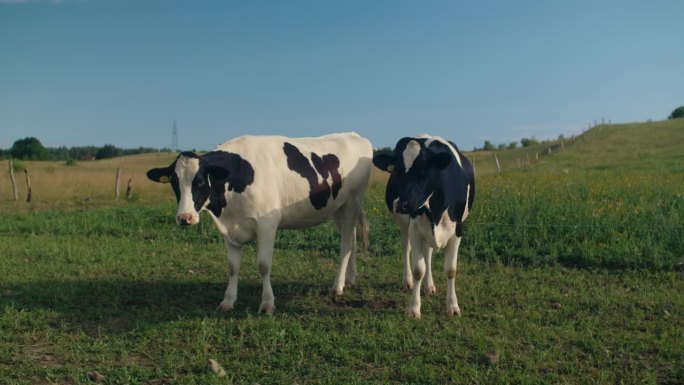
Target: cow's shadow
pixel 124 305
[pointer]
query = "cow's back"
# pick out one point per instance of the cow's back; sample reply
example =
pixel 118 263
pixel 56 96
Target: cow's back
pixel 285 169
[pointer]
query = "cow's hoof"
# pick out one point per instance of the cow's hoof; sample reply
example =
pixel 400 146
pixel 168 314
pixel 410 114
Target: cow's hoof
pixel 430 290
pixel 225 306
pixel 267 308
pixel 413 313
pixel 454 310
pixel 338 292
pixel 349 282
pixel 408 285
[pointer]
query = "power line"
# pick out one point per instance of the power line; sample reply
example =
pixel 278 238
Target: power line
pixel 174 140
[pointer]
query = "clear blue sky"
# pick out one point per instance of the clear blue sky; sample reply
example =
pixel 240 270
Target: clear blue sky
pixel 97 72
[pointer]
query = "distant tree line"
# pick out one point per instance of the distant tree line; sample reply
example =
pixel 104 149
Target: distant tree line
pixel 525 142
pixel 31 149
pixel 488 146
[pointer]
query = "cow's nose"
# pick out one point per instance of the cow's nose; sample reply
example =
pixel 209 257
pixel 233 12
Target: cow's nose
pixel 402 207
pixel 185 219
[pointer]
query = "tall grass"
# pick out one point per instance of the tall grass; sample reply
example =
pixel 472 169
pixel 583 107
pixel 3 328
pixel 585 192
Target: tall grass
pixel 57 185
pixel 588 219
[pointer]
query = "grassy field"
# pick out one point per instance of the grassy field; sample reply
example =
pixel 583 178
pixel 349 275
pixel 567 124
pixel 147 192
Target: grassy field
pixel 570 272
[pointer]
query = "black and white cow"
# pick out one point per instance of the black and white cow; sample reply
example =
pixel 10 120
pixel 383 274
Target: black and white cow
pixel 429 192
pixel 254 185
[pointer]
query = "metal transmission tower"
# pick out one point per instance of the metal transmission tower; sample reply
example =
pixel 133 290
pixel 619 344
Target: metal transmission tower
pixel 174 140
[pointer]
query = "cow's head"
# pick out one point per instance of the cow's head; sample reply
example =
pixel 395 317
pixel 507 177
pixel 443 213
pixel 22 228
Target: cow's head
pixel 415 171
pixel 192 178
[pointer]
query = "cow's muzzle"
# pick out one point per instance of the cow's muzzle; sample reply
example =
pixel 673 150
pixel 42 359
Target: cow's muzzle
pixel 185 219
pixel 401 207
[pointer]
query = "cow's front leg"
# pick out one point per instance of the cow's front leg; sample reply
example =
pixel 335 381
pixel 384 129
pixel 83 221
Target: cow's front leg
pixel 429 284
pixel 266 239
pixel 451 268
pixel 406 256
pixel 419 251
pixel 234 264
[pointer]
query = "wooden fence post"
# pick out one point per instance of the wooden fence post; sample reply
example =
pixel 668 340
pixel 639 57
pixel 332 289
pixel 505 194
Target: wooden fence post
pixel 116 186
pixel 128 188
pixel 14 181
pixel 498 167
pixel 28 185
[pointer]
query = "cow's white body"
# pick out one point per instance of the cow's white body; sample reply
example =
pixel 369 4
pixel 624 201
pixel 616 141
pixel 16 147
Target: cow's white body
pixel 278 198
pixel 279 195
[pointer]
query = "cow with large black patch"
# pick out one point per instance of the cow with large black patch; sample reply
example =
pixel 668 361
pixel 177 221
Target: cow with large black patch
pixel 430 192
pixel 252 186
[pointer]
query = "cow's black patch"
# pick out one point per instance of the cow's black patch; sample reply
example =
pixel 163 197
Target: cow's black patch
pixel 326 166
pixel 332 163
pixel 217 196
pixel 229 167
pixel 459 229
pixel 223 168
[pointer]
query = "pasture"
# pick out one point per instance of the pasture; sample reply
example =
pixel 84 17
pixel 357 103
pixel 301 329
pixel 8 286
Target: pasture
pixel 570 272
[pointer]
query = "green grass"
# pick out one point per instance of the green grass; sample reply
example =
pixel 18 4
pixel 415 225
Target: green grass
pixel 582 219
pixel 133 297
pixel 571 271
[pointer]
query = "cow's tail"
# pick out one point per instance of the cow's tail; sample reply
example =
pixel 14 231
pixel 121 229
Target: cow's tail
pixel 362 231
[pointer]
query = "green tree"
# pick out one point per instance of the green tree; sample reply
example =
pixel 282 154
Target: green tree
pixel 529 141
pixel 29 149
pixel 488 146
pixel 382 150
pixel 108 151
pixel 677 113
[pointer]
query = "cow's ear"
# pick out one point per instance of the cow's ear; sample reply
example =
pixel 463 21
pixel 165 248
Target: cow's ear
pixel 440 160
pixel 384 162
pixel 161 175
pixel 218 172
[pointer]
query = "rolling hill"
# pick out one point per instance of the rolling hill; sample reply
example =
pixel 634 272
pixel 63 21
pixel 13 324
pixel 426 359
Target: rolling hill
pixel 648 146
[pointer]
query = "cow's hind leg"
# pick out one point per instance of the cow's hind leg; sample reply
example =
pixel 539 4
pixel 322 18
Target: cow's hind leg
pixel 451 268
pixel 266 239
pixel 350 274
pixel 234 264
pixel 346 220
